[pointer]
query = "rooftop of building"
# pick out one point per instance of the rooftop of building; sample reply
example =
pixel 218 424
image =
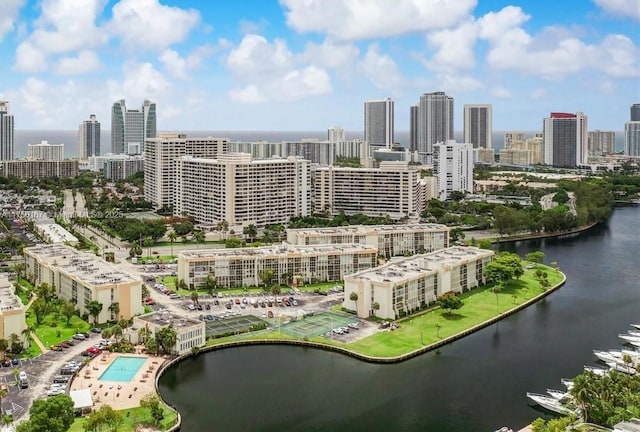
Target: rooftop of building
pixel 165 318
pixel 283 249
pixel 364 229
pixel 8 299
pixel 56 233
pixel 85 267
pixel 407 268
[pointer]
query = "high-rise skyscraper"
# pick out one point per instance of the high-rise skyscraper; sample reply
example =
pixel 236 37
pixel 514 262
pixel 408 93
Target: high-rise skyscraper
pixel 130 128
pixel 378 123
pixel 89 138
pixel 565 139
pixel 435 123
pixel 632 132
pixel 477 125
pixel 601 143
pixel 413 128
pixel 453 167
pixel 6 132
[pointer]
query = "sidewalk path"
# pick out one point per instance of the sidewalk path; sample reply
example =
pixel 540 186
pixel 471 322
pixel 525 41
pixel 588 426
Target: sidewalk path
pixel 35 338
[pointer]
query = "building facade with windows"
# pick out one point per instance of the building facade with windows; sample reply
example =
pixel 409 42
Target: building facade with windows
pixel 632 132
pixel 119 167
pixel 160 159
pixel 478 123
pixel 190 333
pixel 89 138
pixel 565 140
pixel 391 240
pixel 241 267
pixel 25 168
pixel 394 190
pixel 45 151
pixel 434 123
pixel 12 312
pixel 398 288
pixel 242 191
pixel 130 128
pixel 601 143
pixel 453 167
pixel 378 123
pixel 7 130
pixel 83 277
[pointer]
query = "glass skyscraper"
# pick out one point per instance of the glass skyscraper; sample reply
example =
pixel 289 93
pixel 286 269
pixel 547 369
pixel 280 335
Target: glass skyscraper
pixel 131 127
pixel 89 138
pixel 6 132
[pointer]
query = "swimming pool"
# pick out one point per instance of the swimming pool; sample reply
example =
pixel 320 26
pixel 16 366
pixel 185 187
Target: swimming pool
pixel 123 369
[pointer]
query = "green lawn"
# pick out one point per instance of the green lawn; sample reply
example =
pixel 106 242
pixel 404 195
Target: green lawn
pixel 49 335
pixel 436 324
pixel 137 416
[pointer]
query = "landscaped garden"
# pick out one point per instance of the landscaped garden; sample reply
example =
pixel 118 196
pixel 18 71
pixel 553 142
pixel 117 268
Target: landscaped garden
pixel 133 418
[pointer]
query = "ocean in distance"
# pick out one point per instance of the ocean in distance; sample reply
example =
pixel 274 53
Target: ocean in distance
pixel 69 138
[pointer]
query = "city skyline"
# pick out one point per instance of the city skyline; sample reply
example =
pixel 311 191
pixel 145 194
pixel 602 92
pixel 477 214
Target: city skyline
pixel 292 65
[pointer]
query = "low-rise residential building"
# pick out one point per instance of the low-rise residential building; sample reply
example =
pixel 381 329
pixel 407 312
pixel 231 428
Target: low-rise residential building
pixel 240 267
pixel 12 311
pixel 83 277
pixel 54 233
pixel 190 333
pixel 391 240
pixel 401 287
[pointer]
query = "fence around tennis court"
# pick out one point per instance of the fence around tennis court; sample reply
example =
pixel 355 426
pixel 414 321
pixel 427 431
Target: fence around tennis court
pixel 317 324
pixel 233 325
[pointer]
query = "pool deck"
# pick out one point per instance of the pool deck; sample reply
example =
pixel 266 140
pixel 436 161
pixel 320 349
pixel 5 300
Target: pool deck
pixel 119 395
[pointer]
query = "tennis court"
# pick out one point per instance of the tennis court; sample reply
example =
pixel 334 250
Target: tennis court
pixel 230 325
pixel 143 216
pixel 318 324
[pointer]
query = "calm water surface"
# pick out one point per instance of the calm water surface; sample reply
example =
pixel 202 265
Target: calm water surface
pixel 475 384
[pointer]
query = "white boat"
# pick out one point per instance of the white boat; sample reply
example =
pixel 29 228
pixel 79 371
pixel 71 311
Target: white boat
pixel 567 382
pixel 606 356
pixel 621 367
pixel 596 370
pixel 635 343
pixel 637 326
pixel 559 394
pixel 549 403
pixel 634 332
pixel 629 338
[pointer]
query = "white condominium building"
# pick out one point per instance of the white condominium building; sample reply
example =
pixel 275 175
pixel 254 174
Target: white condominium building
pixel 159 162
pixel 453 167
pixel 393 190
pixel 240 267
pixel 45 151
pixel 83 277
pixel 405 286
pixel 190 333
pixel 27 169
pixel 12 311
pixel 391 240
pixel 242 191
pixel 311 149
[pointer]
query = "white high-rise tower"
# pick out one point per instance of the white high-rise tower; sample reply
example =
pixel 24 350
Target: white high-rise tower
pixel 378 123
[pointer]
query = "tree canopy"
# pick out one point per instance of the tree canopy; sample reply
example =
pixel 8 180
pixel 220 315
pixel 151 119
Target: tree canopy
pixel 54 414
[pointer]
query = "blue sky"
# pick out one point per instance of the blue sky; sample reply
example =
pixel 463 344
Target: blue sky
pixel 310 64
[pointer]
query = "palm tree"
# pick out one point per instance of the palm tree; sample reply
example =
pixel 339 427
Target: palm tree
pixel 4 346
pixel 3 394
pixel 172 238
pixel 94 307
pixel 496 290
pixel 116 330
pixel 199 236
pixel 148 243
pixel 438 326
pixel 250 231
pixel 114 308
pixel 194 297
pixel 354 298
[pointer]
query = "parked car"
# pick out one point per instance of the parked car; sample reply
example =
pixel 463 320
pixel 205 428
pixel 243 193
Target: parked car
pixel 78 336
pixel 96 330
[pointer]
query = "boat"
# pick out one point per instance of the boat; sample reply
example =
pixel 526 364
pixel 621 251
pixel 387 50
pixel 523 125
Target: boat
pixel 559 394
pixel 549 403
pixel 622 367
pixel 629 338
pixel 504 429
pixel 567 382
pixel 634 332
pixel 596 370
pixel 636 326
pixel 606 356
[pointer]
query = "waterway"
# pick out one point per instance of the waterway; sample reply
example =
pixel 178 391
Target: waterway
pixel 475 384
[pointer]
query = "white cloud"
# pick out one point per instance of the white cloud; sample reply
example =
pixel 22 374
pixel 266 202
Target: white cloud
pixel 146 24
pixel 8 13
pixel 539 94
pixel 381 70
pixel 554 52
pixel 453 83
pixel 501 93
pixel 269 72
pixel 357 19
pixel 625 8
pixel 86 61
pixel 330 54
pixel 141 81
pixel 62 27
pixel 454 48
pixel 179 67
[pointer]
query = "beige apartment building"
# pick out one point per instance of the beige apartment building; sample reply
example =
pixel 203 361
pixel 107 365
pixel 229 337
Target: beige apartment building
pixel 523 152
pixel 12 311
pixel 83 277
pixel 391 240
pixel 26 168
pixel 404 286
pixel 240 267
pixel 242 191
pixel 394 190
pixel 190 333
pixel 160 158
